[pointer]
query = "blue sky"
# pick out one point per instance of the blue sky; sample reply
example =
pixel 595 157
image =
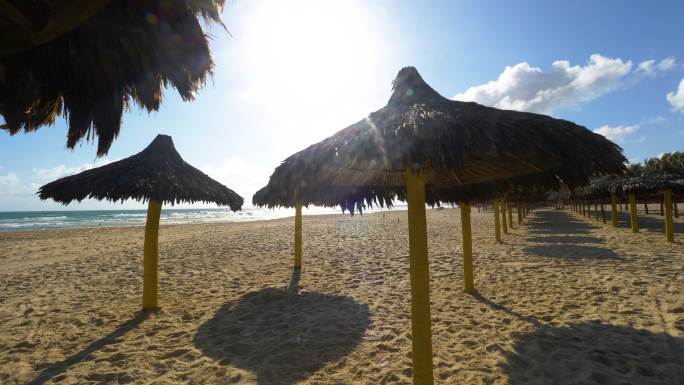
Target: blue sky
pixel 291 73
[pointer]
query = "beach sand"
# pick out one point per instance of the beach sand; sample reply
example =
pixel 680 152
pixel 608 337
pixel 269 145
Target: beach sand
pixel 564 300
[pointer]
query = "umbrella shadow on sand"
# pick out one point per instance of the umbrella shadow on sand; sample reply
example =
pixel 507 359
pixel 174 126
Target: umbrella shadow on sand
pixel 557 222
pixel 653 223
pixel 595 353
pixel 565 239
pixel 281 335
pixel 571 251
pixel 560 235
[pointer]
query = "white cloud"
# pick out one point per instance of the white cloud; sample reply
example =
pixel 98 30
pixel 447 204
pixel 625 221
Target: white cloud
pixel 526 88
pixel 48 174
pixel 655 120
pixel 617 133
pixel 676 99
pixel 10 184
pixel 653 68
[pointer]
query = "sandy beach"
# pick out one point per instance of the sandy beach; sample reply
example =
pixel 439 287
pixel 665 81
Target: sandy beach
pixel 564 300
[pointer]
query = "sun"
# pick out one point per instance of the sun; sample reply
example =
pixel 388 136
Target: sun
pixel 314 61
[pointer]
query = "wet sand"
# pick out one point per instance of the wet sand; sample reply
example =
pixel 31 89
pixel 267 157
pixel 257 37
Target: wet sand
pixel 564 300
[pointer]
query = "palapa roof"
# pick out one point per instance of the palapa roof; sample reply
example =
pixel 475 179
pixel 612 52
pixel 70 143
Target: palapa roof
pixel 453 143
pixel 91 59
pixel 651 184
pixel 158 172
pixel 599 187
pixel 644 185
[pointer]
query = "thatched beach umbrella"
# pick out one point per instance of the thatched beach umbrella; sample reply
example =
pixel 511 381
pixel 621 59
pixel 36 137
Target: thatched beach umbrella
pixel 421 141
pixel 89 59
pixel 598 189
pixel 642 187
pixel 648 186
pixel 157 174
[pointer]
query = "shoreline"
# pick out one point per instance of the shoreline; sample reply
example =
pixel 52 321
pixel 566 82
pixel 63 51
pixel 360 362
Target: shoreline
pixel 174 225
pixel 89 219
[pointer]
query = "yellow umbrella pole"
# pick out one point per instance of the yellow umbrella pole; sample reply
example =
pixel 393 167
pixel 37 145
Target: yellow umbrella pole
pixel 510 214
pixel 298 236
pixel 503 217
pixel 633 213
pixel 669 224
pixel 467 249
pixel 497 225
pixel 151 256
pixel 603 214
pixel 613 210
pixel 420 280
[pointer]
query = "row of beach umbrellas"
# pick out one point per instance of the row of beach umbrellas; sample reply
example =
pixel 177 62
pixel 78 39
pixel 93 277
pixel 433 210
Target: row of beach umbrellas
pixel 89 60
pixel 420 148
pixel 664 188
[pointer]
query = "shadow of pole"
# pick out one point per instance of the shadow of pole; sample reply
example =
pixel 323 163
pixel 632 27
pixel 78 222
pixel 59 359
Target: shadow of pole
pixel 293 286
pixel 85 354
pixel 506 310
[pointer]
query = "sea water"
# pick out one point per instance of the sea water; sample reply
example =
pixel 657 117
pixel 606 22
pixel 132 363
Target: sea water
pixel 42 220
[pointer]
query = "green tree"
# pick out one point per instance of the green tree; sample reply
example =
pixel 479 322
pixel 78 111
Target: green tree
pixel 635 169
pixel 673 162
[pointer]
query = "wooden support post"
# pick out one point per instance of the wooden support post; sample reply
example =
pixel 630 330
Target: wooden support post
pixel 596 211
pixel 633 213
pixel 497 225
pixel 468 281
pixel 676 210
pixel 669 223
pixel 613 210
pixel 504 226
pixel 646 207
pixel 603 214
pixel 519 209
pixel 510 214
pixel 151 256
pixel 420 280
pixel 298 236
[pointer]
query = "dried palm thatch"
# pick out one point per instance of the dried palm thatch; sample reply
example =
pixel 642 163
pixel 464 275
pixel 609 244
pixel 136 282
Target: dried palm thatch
pixel 526 188
pixel 454 144
pixel 599 188
pixel 91 59
pixel 157 173
pixel 653 184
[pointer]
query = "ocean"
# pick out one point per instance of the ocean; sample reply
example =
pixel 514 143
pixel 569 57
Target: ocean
pixel 44 220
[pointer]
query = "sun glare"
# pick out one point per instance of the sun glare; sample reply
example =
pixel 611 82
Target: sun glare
pixel 316 63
